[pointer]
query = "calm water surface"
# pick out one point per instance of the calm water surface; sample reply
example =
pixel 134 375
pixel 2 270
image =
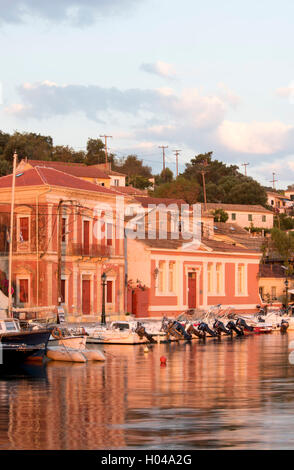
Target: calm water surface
pixel 230 394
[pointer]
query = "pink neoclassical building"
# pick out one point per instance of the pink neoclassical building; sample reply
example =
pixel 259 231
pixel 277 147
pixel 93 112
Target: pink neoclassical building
pixel 59 236
pixel 177 275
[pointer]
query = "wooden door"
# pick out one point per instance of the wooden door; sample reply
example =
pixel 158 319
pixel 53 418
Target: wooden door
pixel 86 297
pixel 192 290
pixel 86 241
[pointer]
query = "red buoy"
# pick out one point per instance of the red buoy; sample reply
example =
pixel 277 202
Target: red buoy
pixel 163 360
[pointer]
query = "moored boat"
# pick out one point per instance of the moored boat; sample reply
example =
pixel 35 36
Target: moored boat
pixel 118 332
pixel 19 345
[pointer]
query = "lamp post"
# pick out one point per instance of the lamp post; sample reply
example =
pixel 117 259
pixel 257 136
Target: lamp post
pixel 287 287
pixel 103 319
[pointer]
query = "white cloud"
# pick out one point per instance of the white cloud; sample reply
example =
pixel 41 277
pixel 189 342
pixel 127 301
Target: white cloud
pixel 159 68
pixel 283 168
pixel 286 92
pixel 228 95
pixel 16 109
pixel 151 115
pixel 75 11
pixel 255 137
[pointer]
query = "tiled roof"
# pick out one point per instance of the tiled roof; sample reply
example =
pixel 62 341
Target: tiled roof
pixel 145 201
pixel 74 169
pixel 236 207
pixel 49 176
pixel 106 168
pixel 271 270
pixel 129 190
pixel 227 245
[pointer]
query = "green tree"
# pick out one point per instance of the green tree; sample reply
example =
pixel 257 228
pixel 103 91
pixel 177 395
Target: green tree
pixel 4 139
pixel 133 166
pixel 181 188
pixel 281 243
pixel 62 153
pixel 166 176
pixel 284 222
pixel 5 167
pixel 220 215
pixel 30 145
pixel 224 183
pixel 95 152
pixel 139 182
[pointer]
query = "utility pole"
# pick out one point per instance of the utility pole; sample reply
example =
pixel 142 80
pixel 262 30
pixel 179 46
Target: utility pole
pixel 205 164
pixel 274 181
pixel 105 145
pixel 11 237
pixel 163 147
pixel 245 166
pixel 59 251
pixel 177 153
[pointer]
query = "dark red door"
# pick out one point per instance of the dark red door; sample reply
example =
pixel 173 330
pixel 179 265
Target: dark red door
pixel 86 237
pixel 86 297
pixel 192 290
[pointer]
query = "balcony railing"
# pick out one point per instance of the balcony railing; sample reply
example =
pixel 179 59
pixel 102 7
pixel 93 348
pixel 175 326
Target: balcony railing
pixel 92 251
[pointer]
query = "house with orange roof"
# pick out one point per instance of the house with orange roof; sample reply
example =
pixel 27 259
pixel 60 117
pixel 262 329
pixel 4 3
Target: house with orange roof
pixel 174 274
pixel 88 173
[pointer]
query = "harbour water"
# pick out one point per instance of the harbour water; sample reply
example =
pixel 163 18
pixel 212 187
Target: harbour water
pixel 228 394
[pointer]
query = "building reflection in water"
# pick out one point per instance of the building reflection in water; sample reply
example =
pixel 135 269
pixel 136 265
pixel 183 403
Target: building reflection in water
pixel 207 396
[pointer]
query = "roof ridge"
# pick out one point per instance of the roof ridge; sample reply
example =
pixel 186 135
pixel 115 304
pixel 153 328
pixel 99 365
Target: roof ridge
pixel 95 186
pixel 36 168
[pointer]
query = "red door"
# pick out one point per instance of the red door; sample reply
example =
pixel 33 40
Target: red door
pixel 192 290
pixel 86 296
pixel 86 237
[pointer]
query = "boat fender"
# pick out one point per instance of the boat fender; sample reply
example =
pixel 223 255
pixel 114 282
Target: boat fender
pixel 57 333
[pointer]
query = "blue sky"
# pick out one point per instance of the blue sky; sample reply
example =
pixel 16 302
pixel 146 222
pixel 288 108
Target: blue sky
pixel 200 76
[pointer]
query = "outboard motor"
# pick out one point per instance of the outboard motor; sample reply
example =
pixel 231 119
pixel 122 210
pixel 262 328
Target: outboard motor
pixel 142 333
pixel 220 328
pixel 232 327
pixel 179 327
pixel 284 326
pixel 169 328
pixel 204 327
pixel 242 323
pixel 191 330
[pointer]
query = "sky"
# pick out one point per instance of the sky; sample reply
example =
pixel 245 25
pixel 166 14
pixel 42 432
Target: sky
pixel 193 75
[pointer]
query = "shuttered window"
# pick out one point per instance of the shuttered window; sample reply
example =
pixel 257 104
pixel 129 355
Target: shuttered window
pixel 23 290
pixel 24 229
pixel 109 296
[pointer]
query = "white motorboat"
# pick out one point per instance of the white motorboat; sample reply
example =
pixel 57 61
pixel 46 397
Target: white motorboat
pixel 118 332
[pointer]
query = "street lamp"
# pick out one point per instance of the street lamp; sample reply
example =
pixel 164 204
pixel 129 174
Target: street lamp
pixel 103 319
pixel 287 286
